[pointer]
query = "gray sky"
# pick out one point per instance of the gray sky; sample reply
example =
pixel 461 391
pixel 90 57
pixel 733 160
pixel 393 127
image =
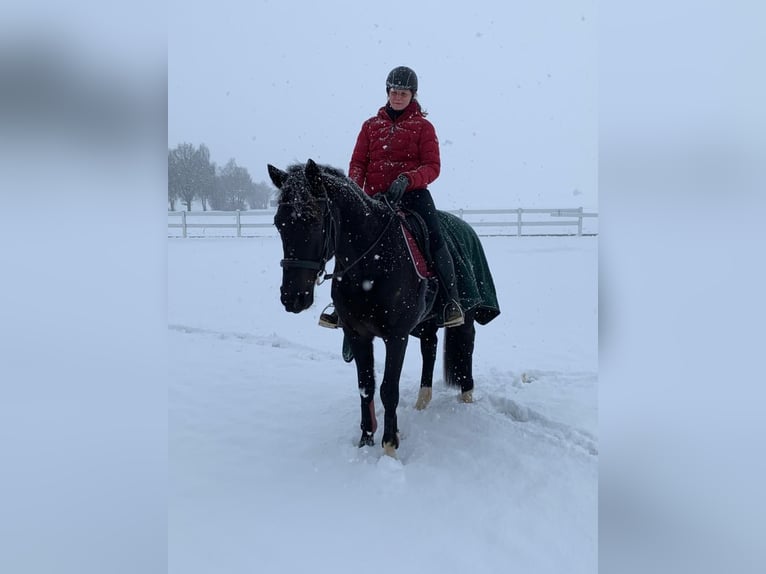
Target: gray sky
pixel 510 87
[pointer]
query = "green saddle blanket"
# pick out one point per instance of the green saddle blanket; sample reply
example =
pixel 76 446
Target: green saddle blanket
pixel 474 279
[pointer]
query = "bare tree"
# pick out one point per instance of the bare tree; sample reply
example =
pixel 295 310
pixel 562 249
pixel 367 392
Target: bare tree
pixel 204 175
pixel 173 183
pixel 181 173
pixel 191 175
pixel 233 189
pixel 261 195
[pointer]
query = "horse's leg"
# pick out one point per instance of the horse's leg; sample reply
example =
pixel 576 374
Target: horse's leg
pixel 466 376
pixel 428 345
pixel 458 357
pixel 365 370
pixel 396 347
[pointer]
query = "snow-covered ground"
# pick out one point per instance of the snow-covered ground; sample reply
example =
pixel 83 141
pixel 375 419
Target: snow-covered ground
pixel 264 415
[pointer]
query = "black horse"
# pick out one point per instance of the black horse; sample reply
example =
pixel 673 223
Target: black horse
pixel 376 288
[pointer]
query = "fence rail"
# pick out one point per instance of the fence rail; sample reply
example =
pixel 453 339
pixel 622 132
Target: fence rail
pixel 571 221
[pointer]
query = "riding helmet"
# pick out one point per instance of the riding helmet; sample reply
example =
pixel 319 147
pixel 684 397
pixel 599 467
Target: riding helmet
pixel 402 78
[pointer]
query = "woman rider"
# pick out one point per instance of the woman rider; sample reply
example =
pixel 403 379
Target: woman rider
pixel 395 157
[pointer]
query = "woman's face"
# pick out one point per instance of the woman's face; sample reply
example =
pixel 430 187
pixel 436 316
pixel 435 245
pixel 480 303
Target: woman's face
pixel 399 99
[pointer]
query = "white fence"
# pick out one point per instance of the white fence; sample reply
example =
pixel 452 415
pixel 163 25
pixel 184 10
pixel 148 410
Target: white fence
pixel 487 222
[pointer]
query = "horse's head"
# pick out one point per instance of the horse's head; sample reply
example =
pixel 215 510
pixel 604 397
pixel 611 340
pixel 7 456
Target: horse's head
pixel 303 221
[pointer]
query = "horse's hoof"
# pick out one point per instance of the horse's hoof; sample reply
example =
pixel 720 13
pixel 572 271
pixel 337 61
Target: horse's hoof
pixel 424 398
pixel 467 397
pixel 366 440
pixel 389 449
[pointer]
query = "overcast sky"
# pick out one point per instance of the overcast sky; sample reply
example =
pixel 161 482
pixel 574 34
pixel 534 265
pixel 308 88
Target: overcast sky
pixel 510 87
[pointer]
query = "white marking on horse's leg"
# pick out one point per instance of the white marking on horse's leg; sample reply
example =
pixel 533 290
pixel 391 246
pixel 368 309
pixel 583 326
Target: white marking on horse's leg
pixel 424 398
pixel 389 449
pixel 467 397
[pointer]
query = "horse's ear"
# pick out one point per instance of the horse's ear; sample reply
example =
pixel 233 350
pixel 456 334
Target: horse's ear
pixel 314 178
pixel 277 176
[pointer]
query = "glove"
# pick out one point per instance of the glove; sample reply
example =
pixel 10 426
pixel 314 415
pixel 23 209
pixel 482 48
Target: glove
pixel 395 191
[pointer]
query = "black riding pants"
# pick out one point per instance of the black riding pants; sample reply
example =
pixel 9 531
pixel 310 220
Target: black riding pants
pixel 421 202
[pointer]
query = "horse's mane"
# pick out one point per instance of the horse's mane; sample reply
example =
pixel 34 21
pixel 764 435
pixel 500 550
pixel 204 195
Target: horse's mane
pixel 324 168
pixel 296 190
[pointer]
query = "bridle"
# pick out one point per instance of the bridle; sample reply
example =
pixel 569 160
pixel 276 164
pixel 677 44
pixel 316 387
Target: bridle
pixel 329 231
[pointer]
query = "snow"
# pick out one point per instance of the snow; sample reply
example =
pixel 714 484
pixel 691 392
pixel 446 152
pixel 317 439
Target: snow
pixel 264 472
pixel 670 131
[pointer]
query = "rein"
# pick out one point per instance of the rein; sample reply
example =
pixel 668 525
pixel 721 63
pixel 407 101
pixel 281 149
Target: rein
pixel 363 255
pixel 329 230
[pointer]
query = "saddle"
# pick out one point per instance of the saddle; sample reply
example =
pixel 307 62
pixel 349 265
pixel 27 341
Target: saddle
pixel 416 235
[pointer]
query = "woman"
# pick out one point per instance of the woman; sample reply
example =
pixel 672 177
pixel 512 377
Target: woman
pixel 395 158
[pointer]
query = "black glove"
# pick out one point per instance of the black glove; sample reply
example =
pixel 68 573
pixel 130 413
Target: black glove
pixel 395 191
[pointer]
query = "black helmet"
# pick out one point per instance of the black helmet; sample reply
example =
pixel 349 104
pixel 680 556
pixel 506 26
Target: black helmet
pixel 402 78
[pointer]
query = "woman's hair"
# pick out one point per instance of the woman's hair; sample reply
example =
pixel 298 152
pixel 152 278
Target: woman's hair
pixel 423 111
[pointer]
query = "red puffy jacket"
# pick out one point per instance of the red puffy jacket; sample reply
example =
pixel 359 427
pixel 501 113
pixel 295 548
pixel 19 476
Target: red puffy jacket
pixel 386 148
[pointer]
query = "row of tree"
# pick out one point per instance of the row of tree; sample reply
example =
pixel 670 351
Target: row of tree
pixel 192 176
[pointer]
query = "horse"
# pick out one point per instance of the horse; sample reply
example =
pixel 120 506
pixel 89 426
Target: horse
pixel 376 289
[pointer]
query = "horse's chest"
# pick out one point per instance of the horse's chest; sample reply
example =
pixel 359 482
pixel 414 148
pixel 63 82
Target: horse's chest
pixel 384 278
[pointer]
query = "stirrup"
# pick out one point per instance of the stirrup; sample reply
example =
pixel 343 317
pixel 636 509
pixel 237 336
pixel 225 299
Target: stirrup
pixel 453 320
pixel 329 320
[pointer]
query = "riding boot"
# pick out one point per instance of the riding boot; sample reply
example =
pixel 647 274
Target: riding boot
pixel 452 314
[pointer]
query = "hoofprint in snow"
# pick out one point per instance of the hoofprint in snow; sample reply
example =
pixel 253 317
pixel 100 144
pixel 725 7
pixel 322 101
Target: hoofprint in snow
pixel 264 420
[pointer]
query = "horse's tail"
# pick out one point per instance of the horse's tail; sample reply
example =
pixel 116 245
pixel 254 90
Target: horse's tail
pixel 458 354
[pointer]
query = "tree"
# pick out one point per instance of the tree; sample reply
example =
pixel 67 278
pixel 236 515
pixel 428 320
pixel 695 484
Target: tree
pixel 190 175
pixel 204 175
pixel 181 166
pixel 261 195
pixel 173 183
pixel 233 188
